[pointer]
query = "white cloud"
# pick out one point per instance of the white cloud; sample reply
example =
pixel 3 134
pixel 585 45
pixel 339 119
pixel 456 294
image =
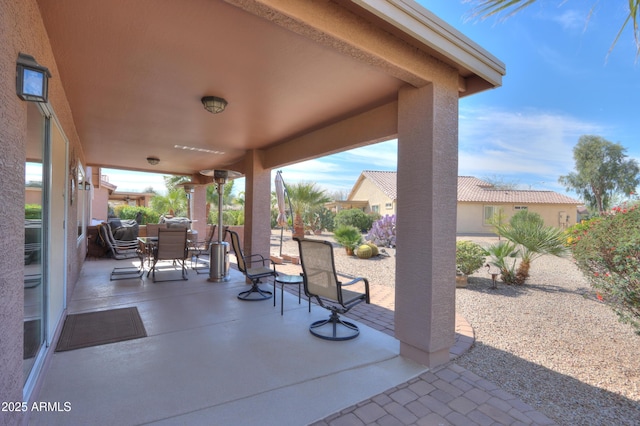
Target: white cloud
pixel 339 172
pixel 533 144
pixel 572 20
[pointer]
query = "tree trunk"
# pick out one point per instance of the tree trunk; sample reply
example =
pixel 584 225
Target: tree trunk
pixel 298 226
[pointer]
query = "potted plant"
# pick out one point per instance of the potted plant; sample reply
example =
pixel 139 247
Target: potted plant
pixel 349 237
pixel 469 258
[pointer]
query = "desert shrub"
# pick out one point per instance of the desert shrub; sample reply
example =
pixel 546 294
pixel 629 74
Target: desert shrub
pixel 229 217
pixel 327 218
pixel 532 239
pixel 348 236
pixel 469 257
pixel 124 211
pixel 383 232
pixel 607 251
pixel 354 217
pixel 502 254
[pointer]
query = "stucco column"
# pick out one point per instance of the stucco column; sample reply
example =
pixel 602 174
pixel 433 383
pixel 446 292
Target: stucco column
pixel 199 211
pixel 426 226
pixel 257 208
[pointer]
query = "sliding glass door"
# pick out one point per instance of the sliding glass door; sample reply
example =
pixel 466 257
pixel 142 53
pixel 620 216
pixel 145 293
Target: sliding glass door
pixel 35 220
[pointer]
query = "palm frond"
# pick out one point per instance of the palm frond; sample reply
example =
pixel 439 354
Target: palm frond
pixel 487 8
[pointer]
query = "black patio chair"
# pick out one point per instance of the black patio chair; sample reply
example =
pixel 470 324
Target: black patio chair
pixel 255 268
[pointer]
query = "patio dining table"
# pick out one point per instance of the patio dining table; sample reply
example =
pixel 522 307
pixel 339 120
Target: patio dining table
pixel 148 243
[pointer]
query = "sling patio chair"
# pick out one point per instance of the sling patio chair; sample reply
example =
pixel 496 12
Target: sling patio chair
pixel 201 248
pixel 321 283
pixel 171 246
pixel 255 268
pixel 120 250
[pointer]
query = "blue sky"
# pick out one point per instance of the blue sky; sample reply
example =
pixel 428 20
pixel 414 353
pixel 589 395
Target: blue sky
pixel 562 82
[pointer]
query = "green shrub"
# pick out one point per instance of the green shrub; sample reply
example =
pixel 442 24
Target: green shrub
pixel 123 211
pixel 355 217
pixel 607 251
pixel 33 211
pixel 348 236
pixel 327 218
pixel 501 253
pixel 229 217
pixel 469 257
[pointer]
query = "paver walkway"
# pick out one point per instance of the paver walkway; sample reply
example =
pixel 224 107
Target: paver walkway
pixel 447 395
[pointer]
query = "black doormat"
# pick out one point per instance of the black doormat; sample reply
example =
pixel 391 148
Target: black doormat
pixel 32 338
pixel 99 328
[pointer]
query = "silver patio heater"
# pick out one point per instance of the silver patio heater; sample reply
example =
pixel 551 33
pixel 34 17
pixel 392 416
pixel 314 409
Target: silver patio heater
pixel 219 250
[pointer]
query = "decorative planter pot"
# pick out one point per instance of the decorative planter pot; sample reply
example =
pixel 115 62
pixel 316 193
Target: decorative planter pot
pixel 461 281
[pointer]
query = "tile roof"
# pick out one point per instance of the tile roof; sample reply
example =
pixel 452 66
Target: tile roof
pixel 386 181
pixel 471 189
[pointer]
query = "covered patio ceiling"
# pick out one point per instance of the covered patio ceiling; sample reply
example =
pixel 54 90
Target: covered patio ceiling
pixel 134 73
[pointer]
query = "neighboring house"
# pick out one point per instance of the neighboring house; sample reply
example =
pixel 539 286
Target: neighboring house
pixel 478 201
pixel 373 192
pixel 105 196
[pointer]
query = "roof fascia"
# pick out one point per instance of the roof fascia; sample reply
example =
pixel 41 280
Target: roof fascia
pixel 427 29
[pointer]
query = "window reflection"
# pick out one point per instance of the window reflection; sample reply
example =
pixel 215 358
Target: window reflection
pixel 33 238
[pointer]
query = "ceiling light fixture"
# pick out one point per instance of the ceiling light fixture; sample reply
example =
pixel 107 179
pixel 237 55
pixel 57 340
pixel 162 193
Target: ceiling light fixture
pixel 214 104
pixel 153 160
pixel 192 148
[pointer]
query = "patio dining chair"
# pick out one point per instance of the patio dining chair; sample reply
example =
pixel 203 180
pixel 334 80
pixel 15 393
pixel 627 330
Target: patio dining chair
pixel 321 283
pixel 121 250
pixel 198 249
pixel 171 246
pixel 255 267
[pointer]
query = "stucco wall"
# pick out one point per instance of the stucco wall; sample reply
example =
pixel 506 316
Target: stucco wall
pixel 100 204
pixel 13 122
pixel 471 215
pixel 367 190
pixel 22 30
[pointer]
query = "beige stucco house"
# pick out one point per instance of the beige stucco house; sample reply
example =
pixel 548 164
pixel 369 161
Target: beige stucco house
pixel 478 201
pixel 375 191
pixel 300 80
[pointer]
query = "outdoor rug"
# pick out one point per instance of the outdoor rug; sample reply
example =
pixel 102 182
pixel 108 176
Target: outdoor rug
pixel 32 338
pixel 99 328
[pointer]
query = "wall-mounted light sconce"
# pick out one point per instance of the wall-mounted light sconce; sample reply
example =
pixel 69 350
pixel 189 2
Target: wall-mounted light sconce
pixel 153 160
pixel 32 79
pixel 214 104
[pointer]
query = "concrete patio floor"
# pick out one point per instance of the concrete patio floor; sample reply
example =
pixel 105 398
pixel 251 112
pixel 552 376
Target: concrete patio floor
pixel 210 358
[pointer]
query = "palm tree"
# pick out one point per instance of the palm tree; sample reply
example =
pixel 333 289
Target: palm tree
pixel 527 231
pixel 174 203
pixel 212 196
pixel 487 8
pixel 500 254
pixel 306 199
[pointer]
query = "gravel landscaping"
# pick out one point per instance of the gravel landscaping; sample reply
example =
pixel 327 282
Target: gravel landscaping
pixel 551 342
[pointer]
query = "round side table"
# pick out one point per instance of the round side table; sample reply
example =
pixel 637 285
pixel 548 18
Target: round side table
pixel 286 279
